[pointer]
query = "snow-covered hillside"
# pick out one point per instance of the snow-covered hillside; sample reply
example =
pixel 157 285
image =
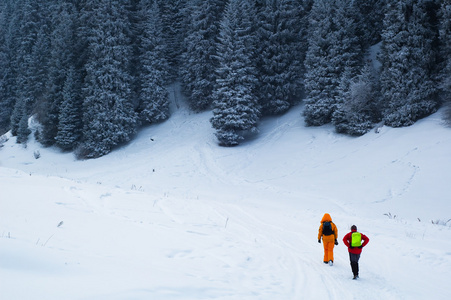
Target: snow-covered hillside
pixel 174 216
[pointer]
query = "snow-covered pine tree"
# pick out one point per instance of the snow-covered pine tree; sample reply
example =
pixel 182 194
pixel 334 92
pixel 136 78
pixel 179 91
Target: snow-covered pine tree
pixel 108 115
pixel 199 59
pixel 25 64
pixel 445 53
pixel 40 58
pixel 407 80
pixel 20 115
pixel 348 56
pixel 360 110
pixel 174 19
pixel 333 48
pixel 305 7
pixel 70 113
pixel 9 31
pixel 321 78
pixel 369 21
pixel 280 55
pixel 236 111
pixel 86 23
pixel 153 96
pixel 62 49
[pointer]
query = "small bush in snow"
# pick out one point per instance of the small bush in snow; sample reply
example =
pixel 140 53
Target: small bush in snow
pixel 441 222
pixel 447 115
pixel 3 139
pixel 37 154
pixel 8 235
pixel 390 216
pixel 135 188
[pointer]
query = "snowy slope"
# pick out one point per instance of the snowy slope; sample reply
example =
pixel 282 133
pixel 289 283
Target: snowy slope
pixel 173 216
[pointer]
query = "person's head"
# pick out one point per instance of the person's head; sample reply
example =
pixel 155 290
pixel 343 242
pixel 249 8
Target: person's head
pixel 326 218
pixel 353 228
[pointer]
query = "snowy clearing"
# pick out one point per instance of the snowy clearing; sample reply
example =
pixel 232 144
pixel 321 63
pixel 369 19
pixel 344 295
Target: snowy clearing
pixel 174 216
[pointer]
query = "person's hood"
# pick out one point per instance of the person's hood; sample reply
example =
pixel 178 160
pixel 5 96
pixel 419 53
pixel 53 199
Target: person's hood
pixel 326 218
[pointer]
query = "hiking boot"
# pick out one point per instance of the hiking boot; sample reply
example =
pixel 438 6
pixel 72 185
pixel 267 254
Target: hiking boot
pixel 331 263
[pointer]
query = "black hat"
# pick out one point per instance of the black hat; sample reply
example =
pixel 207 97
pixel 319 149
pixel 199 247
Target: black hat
pixel 354 228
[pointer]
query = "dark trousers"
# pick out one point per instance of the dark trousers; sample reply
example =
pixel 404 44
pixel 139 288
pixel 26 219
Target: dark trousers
pixel 354 258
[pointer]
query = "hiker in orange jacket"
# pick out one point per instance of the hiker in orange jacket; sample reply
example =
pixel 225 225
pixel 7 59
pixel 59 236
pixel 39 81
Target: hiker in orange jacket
pixel 353 240
pixel 329 233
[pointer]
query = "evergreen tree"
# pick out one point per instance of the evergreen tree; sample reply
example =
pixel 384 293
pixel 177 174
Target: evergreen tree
pixel 27 86
pixel 359 111
pixel 8 48
pixel 153 96
pixel 369 21
pixel 407 84
pixel 135 17
pixel 174 19
pixel 85 25
pixel 321 79
pixel 348 56
pixel 62 49
pixel 236 111
pixel 20 118
pixel 445 46
pixel 199 58
pixel 280 55
pixel 445 54
pixel 333 48
pixel 39 62
pixel 109 118
pixel 70 114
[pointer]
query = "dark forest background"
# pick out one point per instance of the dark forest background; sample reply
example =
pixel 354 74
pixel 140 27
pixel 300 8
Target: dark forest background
pixel 93 72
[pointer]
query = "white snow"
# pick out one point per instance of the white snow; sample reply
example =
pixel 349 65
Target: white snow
pixel 172 215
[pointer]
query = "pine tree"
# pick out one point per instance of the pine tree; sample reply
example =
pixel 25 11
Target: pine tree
pixel 321 79
pixel 85 25
pixel 39 63
pixel 236 111
pixel 174 19
pixel 445 54
pixel 445 46
pixel 70 114
pixel 153 96
pixel 369 19
pixel 25 64
pixel 347 59
pixel 348 56
pixel 280 55
pixel 20 116
pixel 333 48
pixel 62 49
pixel 199 58
pixel 8 48
pixel 109 118
pixel 359 111
pixel 407 84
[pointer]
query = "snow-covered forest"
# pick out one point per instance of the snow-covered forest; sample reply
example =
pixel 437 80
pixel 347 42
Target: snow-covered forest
pixel 93 73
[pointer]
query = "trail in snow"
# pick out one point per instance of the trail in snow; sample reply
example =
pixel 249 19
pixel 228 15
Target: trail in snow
pixel 174 216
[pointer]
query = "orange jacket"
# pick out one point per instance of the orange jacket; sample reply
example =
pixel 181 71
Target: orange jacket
pixel 327 218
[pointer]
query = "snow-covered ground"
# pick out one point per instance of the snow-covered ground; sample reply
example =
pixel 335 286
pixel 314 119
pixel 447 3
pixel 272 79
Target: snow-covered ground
pixel 172 215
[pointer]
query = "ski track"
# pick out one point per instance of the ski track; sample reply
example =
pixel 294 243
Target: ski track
pixel 299 260
pixel 267 249
pixel 197 217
